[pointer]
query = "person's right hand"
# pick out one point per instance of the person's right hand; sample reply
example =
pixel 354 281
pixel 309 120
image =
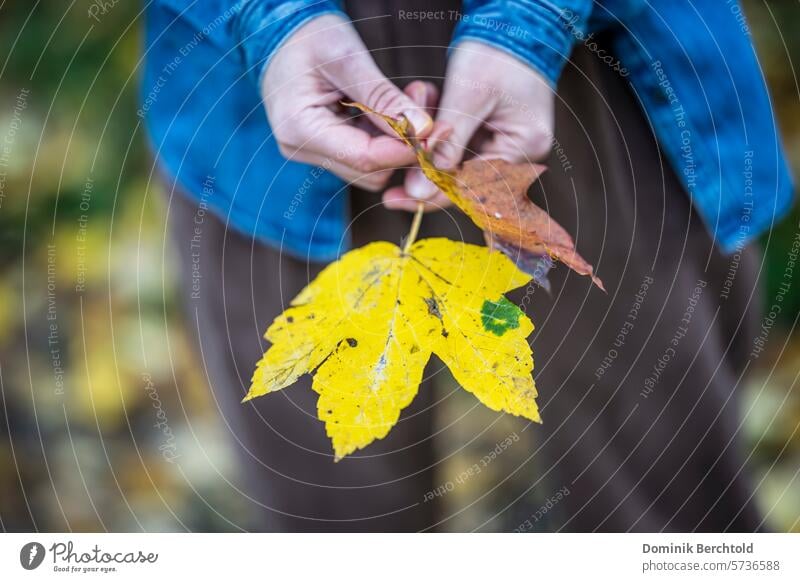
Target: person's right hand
pixel 493 106
pixel 322 63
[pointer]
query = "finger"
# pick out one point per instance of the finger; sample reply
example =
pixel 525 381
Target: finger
pixel 372 181
pixel 464 112
pixel 424 93
pixel 441 132
pixel 358 77
pixel 418 186
pixel 397 199
pixel 515 148
pixel 322 135
pixel 387 151
pixel 416 183
pixel 503 148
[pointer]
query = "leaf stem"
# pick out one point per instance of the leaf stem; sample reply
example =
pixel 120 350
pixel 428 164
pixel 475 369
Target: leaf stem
pixel 414 231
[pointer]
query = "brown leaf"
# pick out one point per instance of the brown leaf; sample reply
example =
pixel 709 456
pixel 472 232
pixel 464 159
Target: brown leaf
pixel 494 194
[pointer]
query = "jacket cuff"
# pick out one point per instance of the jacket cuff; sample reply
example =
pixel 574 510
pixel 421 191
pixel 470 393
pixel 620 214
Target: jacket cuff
pixel 539 33
pixel 262 26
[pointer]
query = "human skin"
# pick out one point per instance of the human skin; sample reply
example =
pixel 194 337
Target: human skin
pixel 493 106
pixel 321 64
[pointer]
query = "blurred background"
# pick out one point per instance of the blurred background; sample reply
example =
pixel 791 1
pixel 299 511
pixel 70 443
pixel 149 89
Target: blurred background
pixel 105 420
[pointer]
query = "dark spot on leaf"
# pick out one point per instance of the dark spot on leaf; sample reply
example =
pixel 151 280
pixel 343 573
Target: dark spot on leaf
pixel 433 307
pixel 500 316
pixel 414 349
pixel 445 333
pixel 352 342
pixel 290 319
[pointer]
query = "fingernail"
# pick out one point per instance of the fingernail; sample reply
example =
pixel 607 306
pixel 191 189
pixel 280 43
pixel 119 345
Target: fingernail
pixel 440 134
pixel 443 161
pixel 421 94
pixel 419 187
pixel 419 120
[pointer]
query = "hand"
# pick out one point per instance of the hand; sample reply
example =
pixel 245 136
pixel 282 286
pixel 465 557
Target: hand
pixel 493 106
pixel 322 63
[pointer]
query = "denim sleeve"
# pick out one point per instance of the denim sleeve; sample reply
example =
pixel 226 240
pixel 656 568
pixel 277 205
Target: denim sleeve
pixel 260 27
pixel 539 32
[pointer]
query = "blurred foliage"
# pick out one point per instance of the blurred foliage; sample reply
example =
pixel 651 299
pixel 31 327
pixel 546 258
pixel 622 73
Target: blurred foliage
pixel 87 455
pixel 78 197
pixel 778 54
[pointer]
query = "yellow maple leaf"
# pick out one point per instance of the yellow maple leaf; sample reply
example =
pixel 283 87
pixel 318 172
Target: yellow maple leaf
pixel 368 324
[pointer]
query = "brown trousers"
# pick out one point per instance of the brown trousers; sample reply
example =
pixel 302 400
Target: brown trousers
pixel 638 387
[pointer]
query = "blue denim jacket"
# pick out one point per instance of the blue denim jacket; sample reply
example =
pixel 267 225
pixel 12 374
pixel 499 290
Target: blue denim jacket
pixel 690 62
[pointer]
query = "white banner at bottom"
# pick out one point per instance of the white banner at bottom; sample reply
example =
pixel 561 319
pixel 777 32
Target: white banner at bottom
pixel 401 557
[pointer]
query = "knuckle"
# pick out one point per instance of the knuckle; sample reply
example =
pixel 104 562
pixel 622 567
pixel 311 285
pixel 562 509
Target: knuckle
pixel 535 146
pixel 285 151
pixel 363 163
pixel 372 184
pixel 340 58
pixel 287 137
pixel 385 97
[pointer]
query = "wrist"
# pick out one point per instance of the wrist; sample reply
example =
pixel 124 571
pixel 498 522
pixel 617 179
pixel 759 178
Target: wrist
pixel 261 28
pixel 532 31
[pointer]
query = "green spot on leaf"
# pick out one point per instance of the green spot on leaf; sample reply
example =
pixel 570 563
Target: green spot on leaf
pixel 500 316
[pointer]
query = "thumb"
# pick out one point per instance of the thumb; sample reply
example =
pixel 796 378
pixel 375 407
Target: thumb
pixel 361 80
pixel 463 112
